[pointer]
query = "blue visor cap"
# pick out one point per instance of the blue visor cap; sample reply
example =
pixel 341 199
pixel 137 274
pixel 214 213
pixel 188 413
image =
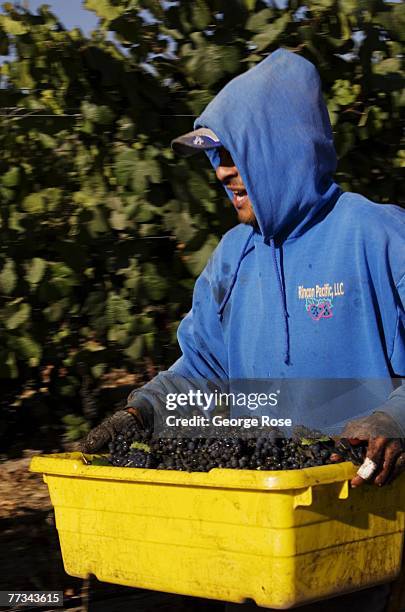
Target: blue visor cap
pixel 193 142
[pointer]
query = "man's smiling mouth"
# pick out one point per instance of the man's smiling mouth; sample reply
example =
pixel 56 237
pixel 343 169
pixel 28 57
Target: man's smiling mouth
pixel 240 196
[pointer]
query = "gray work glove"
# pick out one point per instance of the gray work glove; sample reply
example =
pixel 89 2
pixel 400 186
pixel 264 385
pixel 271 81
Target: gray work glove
pixel 104 433
pixel 385 458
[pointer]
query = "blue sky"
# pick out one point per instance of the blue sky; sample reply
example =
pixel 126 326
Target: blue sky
pixel 70 12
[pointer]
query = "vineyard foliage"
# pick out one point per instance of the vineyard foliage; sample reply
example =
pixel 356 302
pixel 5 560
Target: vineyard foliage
pixel 102 229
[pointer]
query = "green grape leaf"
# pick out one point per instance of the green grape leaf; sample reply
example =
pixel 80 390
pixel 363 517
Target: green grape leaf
pixel 8 277
pixel 35 270
pixel 15 315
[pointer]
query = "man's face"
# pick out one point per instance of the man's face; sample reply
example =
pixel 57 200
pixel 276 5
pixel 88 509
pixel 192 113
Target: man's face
pixel 229 176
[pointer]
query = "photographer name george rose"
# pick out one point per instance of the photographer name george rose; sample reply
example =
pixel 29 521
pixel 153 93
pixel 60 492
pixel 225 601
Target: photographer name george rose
pixel 219 421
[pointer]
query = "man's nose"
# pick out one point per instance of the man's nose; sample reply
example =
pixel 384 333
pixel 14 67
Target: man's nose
pixel 226 172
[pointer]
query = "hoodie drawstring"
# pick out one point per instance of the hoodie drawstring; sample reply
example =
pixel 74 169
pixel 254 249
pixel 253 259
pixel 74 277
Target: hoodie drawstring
pixel 233 279
pixel 280 288
pixel 284 303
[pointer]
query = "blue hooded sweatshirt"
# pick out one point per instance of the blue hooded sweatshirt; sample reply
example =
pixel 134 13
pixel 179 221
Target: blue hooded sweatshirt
pixel 317 290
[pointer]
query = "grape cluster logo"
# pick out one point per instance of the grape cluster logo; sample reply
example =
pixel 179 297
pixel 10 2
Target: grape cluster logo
pixel 319 309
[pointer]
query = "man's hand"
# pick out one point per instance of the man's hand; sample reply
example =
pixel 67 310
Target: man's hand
pixel 101 435
pixel 385 458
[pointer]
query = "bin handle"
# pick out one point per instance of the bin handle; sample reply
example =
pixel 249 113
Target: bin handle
pixel 304 498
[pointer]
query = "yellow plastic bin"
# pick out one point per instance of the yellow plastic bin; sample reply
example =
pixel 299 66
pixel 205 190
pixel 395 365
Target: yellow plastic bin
pixel 279 538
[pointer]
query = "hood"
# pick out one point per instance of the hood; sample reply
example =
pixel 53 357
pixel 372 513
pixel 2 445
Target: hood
pixel 274 122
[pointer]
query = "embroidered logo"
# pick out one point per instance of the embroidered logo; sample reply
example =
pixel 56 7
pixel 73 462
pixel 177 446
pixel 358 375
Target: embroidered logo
pixel 319 300
pixel 198 141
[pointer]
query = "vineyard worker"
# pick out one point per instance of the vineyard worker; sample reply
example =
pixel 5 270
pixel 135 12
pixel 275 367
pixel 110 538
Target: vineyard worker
pixel 311 283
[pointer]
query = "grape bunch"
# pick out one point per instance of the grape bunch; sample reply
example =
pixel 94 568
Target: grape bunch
pixel 140 459
pixel 268 451
pixel 123 449
pixel 197 454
